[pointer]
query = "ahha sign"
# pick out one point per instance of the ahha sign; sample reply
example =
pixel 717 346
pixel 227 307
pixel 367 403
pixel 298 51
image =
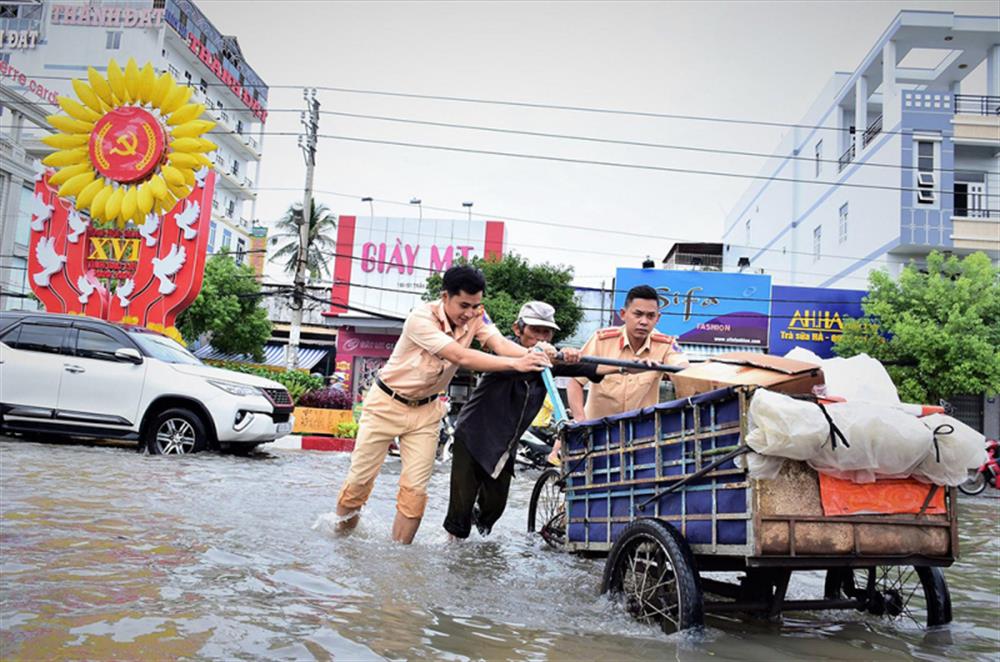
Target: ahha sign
pixel 705 307
pixel 811 317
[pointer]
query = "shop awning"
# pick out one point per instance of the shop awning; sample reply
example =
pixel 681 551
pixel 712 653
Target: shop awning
pixel 705 352
pixel 273 355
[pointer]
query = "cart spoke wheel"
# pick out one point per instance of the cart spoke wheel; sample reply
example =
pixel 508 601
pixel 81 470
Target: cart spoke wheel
pixel 547 509
pixel 896 594
pixel 651 572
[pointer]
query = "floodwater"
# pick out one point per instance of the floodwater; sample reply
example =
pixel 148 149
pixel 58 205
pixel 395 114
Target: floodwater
pixel 107 553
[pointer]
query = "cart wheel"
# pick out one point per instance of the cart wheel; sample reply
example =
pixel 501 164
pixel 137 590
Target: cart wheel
pixel 652 570
pixel 891 592
pixel 547 509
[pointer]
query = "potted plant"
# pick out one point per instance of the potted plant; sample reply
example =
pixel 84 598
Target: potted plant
pixel 322 411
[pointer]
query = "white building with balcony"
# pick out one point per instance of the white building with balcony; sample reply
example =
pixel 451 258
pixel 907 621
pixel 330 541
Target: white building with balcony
pixel 897 158
pixel 55 42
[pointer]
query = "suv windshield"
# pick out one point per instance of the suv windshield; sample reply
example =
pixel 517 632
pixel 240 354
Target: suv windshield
pixel 163 348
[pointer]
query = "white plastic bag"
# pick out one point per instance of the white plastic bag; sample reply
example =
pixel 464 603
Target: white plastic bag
pixel 961 448
pixel 764 467
pixel 859 378
pixel 785 427
pixel 881 441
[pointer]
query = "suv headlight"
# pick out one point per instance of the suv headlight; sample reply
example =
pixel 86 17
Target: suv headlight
pixel 235 389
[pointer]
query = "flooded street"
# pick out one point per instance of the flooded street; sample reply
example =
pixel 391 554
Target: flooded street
pixel 106 553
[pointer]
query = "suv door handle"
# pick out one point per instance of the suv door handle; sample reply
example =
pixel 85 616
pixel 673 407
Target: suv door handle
pixel 73 368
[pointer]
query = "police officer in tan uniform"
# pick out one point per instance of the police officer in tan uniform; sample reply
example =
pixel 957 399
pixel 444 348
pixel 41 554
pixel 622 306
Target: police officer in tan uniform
pixel 403 402
pixel 637 340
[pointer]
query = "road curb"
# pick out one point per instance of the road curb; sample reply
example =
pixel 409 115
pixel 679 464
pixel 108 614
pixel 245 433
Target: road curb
pixel 313 443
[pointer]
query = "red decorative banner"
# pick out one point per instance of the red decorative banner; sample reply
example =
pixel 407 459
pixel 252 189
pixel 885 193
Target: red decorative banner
pixel 155 270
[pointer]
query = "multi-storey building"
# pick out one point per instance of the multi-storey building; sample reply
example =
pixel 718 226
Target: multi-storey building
pixel 897 158
pixel 44 45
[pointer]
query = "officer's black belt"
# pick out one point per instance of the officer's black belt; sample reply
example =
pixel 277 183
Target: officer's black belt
pixel 406 401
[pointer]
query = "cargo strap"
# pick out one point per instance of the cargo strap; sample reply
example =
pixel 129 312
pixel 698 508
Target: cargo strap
pixel 944 428
pixel 834 430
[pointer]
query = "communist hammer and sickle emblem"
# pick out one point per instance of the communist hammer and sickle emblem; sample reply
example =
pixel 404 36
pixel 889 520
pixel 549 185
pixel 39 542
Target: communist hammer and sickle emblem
pixel 126 147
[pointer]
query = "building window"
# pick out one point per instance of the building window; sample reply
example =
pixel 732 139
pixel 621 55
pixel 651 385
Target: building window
pixel 113 41
pixel 227 239
pixel 817 242
pixel 241 247
pixel 926 180
pixel 236 167
pixel 842 231
pixel 231 209
pixel 211 237
pixel 183 19
pixel 819 157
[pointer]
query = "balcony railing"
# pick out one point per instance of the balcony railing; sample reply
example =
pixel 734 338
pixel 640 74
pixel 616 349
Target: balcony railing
pixel 968 104
pixel 846 158
pixel 873 130
pixel 987 214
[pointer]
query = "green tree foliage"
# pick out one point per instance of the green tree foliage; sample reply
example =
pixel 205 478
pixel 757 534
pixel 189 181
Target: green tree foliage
pixel 938 330
pixel 512 282
pixel 228 308
pixel 322 240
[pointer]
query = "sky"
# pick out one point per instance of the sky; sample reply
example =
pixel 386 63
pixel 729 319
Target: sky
pixel 745 60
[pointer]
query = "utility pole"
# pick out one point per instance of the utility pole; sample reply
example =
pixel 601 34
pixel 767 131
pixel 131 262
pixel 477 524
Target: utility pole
pixel 310 120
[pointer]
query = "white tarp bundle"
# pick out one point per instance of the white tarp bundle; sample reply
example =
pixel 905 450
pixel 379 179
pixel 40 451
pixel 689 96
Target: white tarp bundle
pixel 959 448
pixel 859 378
pixel 859 440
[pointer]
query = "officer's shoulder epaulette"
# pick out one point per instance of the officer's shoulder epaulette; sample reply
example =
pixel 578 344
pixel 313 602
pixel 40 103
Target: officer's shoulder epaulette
pixel 661 337
pixel 610 332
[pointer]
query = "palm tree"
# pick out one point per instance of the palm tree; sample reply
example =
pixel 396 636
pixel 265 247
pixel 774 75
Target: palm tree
pixel 322 229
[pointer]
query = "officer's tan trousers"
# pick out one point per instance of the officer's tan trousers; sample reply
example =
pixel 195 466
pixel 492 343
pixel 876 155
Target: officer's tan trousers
pixel 383 419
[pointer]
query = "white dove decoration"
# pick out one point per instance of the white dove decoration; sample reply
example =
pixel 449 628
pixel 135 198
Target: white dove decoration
pixel 149 228
pixel 77 225
pixel 125 290
pixel 165 267
pixel 40 212
pixel 39 169
pixel 86 287
pixel 186 219
pixel 51 261
pixel 200 175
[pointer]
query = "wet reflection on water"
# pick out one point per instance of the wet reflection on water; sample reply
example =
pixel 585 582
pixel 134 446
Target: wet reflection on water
pixel 106 553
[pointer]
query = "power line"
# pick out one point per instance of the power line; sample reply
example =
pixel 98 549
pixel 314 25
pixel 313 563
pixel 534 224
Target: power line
pixel 621 164
pixel 563 136
pixel 548 106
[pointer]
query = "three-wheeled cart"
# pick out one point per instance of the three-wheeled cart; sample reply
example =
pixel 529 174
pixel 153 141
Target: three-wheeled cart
pixel 659 493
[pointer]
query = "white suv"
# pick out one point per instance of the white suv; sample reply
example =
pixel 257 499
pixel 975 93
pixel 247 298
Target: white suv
pixel 80 376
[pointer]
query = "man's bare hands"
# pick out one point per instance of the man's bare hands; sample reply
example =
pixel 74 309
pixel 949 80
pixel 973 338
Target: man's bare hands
pixel 650 365
pixel 570 355
pixel 532 362
pixel 550 351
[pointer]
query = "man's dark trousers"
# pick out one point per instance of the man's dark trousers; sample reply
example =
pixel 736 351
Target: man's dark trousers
pixel 471 486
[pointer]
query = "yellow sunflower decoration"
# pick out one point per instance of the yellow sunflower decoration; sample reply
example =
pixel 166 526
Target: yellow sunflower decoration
pixel 130 146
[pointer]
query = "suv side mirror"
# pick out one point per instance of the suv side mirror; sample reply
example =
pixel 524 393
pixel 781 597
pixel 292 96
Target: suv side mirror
pixel 128 354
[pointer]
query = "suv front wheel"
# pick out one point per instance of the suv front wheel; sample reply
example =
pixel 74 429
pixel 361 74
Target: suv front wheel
pixel 176 432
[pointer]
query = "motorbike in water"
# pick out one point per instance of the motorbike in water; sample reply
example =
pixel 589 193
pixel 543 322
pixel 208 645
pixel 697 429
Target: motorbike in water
pixel 986 474
pixel 533 448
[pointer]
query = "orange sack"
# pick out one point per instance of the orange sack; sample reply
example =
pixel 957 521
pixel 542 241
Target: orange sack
pixel 883 497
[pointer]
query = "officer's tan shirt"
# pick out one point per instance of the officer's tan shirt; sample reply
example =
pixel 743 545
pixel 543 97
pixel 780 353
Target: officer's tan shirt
pixel 617 392
pixel 414 370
